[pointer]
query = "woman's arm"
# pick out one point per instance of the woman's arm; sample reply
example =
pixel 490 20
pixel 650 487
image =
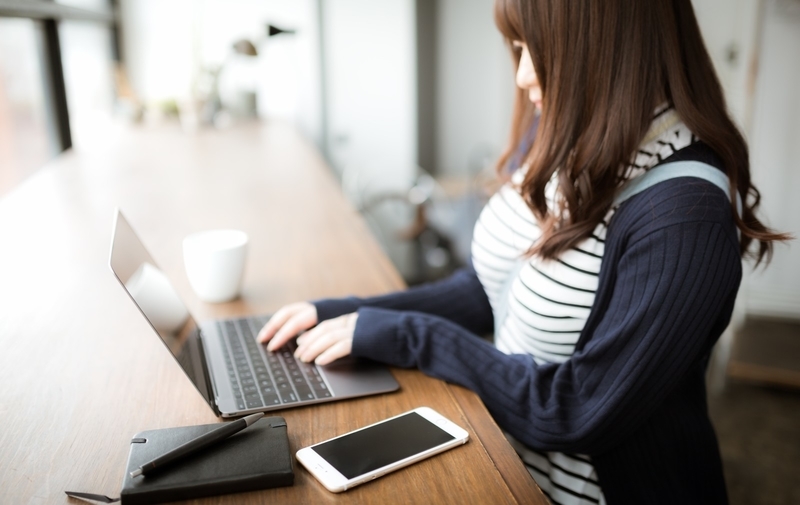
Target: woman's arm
pixel 459 298
pixel 668 299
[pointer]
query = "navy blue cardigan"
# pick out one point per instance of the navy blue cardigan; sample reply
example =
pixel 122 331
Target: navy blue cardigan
pixel 633 395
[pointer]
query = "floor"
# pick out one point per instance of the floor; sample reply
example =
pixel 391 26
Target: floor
pixel 758 422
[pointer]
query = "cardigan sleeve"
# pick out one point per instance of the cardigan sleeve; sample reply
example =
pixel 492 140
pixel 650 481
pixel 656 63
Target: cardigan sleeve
pixel 669 297
pixel 459 298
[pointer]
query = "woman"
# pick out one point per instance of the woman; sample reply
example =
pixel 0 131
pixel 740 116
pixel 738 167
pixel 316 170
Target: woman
pixel 604 310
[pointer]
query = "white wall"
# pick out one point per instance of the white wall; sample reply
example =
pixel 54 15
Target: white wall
pixel 730 29
pixel 775 157
pixel 157 47
pixel 475 86
pixel 369 54
pixel 167 42
pixel 761 83
pixel 371 99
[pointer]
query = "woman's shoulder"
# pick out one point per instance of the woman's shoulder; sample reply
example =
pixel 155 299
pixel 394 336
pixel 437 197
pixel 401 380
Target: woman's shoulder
pixel 676 202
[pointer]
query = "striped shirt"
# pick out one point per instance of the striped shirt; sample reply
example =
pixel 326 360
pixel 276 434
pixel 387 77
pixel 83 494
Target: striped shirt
pixel 540 307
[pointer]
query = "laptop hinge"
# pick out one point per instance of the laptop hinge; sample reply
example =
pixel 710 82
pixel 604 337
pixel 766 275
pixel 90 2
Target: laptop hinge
pixel 211 386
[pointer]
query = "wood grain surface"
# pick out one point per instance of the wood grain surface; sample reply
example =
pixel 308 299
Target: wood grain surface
pixel 81 371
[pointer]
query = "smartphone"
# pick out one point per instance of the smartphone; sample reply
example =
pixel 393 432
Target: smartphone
pixel 371 452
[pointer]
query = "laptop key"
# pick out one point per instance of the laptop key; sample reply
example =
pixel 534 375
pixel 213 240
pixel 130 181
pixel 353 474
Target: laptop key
pixel 319 386
pixel 288 397
pixel 304 392
pixel 271 400
pixel 244 326
pixel 278 376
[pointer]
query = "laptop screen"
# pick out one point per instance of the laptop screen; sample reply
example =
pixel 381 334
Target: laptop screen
pixel 158 301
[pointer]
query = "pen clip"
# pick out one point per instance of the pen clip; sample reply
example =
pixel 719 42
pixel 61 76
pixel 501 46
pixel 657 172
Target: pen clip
pixel 89 496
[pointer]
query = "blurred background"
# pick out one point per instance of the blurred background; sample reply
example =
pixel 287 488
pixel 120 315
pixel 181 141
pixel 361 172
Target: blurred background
pixel 409 101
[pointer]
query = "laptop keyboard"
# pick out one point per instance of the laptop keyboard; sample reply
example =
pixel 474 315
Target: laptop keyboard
pixel 262 379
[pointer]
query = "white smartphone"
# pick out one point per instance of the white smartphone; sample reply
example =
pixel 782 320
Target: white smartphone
pixel 373 451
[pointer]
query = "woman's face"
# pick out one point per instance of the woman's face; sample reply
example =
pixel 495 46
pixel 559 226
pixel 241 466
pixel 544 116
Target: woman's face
pixel 526 75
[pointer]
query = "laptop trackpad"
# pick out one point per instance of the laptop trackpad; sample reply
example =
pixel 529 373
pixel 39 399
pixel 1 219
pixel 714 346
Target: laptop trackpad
pixel 357 377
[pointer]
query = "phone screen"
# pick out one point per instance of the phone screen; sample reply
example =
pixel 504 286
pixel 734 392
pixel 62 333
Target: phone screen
pixel 380 445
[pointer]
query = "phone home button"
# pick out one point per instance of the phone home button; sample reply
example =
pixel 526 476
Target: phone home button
pixel 441 422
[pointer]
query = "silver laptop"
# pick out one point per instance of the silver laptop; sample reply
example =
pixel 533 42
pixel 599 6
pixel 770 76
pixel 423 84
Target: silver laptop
pixel 235 374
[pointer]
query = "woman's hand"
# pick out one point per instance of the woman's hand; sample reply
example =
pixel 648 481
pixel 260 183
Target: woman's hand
pixel 285 324
pixel 329 341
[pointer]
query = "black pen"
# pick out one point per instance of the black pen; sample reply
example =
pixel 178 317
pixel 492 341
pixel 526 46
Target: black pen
pixel 198 443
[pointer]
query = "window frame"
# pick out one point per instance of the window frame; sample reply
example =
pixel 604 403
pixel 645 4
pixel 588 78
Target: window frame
pixel 50 13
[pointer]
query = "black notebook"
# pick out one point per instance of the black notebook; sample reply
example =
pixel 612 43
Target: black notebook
pixel 255 458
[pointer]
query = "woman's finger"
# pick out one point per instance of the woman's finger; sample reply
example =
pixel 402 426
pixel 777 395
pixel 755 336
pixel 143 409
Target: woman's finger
pixel 274 323
pixel 298 323
pixel 313 335
pixel 338 350
pixel 328 335
pixel 312 348
pixel 297 316
pixel 320 329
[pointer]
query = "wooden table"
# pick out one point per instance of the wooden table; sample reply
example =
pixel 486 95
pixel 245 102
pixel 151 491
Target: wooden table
pixel 81 371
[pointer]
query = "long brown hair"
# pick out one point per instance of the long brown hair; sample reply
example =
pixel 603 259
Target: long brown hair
pixel 604 67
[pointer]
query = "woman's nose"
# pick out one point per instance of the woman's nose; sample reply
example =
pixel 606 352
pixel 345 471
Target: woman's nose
pixel 526 75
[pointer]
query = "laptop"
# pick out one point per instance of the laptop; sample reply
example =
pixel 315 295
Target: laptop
pixel 235 374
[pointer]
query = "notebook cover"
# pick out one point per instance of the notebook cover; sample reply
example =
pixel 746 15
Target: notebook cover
pixel 255 458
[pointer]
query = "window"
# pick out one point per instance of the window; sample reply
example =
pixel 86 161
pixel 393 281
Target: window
pixel 27 131
pixel 89 79
pixel 56 62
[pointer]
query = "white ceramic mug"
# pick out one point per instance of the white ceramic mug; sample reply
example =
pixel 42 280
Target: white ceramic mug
pixel 214 261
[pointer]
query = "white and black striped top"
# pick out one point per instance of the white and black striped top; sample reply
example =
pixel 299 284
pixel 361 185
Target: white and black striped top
pixel 540 307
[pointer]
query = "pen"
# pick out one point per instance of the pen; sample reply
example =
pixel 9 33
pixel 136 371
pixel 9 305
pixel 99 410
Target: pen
pixel 198 443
